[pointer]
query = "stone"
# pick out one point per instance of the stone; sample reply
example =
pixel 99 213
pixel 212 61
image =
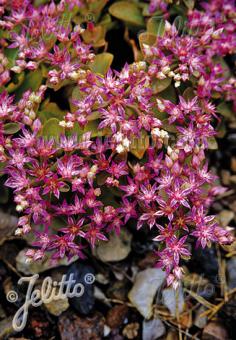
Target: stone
pixel 116 316
pixel 231 269
pixel 36 267
pixel 225 217
pixel 8 224
pixel 145 287
pixel 6 327
pixel 82 273
pixel 170 297
pixel 131 330
pixel 116 249
pixel 153 329
pixel 57 307
pixel 214 331
pixel 200 321
pixel 73 327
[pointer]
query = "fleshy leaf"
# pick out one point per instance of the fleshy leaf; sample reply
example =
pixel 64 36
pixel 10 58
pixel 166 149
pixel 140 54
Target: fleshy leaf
pixel 189 3
pixel 189 93
pixel 212 143
pixel 147 38
pixel 52 129
pixel 128 12
pixel 11 54
pixel 11 128
pixel 102 63
pixel 169 94
pixel 160 85
pixel 91 126
pixel 96 36
pixel 156 26
pixel 16 82
pixel 225 110
pixel 32 81
pixel 139 145
pixel 51 110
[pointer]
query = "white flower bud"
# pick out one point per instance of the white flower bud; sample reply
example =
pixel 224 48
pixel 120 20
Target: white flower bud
pixel 69 125
pixel 166 69
pixel 160 105
pixel 167 26
pixel 16 69
pixel 171 74
pixel 62 123
pixel 18 231
pixel 161 75
pixel 120 148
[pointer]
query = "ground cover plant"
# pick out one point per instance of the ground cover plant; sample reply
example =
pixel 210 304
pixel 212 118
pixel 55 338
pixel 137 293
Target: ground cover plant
pixel 88 149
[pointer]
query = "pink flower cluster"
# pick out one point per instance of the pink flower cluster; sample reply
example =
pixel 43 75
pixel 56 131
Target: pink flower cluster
pixel 127 151
pixel 36 32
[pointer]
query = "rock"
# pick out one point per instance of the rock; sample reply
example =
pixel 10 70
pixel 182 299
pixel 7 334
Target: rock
pixel 232 206
pixel 36 267
pixel 57 307
pixel 6 327
pixel 99 295
pixel 233 179
pixel 2 313
pixel 225 175
pixel 233 164
pixel 82 272
pixel 103 279
pixel 148 261
pixel 8 224
pixel 229 309
pixel 225 217
pixel 118 290
pixel 106 331
pixel 73 327
pixel 200 321
pixel 145 287
pixel 214 331
pixel 204 262
pixel 18 339
pixel 39 325
pixel 170 298
pixel 231 269
pixel 116 249
pixel 131 330
pixel 116 316
pixel 153 329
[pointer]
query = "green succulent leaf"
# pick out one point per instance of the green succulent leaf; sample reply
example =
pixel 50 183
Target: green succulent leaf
pixel 11 128
pixel 212 143
pixel 96 37
pixel 189 3
pixel 169 94
pixel 52 129
pixel 139 145
pixel 32 81
pixel 147 38
pixel 102 63
pixel 91 126
pixel 51 110
pixel 4 194
pixel 225 110
pixel 160 85
pixel 11 54
pixel 16 83
pixel 156 26
pixel 127 11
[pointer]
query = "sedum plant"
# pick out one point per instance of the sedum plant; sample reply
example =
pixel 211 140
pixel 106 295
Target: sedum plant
pixel 127 145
